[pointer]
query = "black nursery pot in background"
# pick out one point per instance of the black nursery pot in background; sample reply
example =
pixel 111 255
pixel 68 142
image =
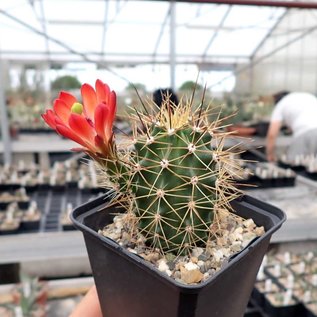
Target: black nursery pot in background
pixel 128 286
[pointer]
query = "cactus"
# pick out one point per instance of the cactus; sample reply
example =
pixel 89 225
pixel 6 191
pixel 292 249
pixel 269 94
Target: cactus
pixel 175 176
pixel 177 181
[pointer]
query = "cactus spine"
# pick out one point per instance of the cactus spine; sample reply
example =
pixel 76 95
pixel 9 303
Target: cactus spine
pixel 175 178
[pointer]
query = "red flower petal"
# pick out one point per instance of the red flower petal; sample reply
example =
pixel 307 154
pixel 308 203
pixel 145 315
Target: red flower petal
pixel 69 134
pixel 62 110
pixel 89 100
pixel 49 118
pixel 102 91
pixel 81 127
pixel 101 118
pixel 99 141
pixel 68 98
pixel 77 149
pixel 59 121
pixel 112 106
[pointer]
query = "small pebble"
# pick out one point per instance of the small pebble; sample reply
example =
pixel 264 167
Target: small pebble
pixel 162 266
pixel 249 223
pixel 197 252
pixel 191 276
pixel 191 266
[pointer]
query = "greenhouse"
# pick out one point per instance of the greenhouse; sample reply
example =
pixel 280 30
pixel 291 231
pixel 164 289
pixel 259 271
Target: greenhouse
pixel 158 158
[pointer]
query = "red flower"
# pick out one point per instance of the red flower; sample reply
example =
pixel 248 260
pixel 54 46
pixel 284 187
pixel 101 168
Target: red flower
pixel 89 123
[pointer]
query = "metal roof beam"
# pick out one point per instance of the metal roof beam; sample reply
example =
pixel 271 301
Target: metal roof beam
pixel 115 54
pixel 38 57
pixel 44 26
pixel 219 27
pixel 172 44
pixel 7 150
pixel 163 25
pixel 278 21
pixel 120 64
pixel 42 20
pixel 105 28
pixel 76 22
pixel 263 3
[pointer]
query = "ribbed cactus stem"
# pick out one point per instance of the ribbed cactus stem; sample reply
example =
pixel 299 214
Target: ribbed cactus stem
pixel 116 167
pixel 176 178
pixel 175 186
pixel 118 173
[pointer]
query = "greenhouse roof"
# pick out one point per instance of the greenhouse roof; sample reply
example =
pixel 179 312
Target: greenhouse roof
pixel 119 35
pixel 132 32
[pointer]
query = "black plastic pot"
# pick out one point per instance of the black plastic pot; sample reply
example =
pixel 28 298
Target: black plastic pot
pixel 9 187
pixel 68 227
pixel 264 182
pixel 259 293
pixel 253 313
pixel 252 310
pixel 309 313
pixel 245 183
pixel 44 186
pixel 295 168
pixel 294 310
pixel 4 205
pixel 257 296
pixel 72 184
pixel 311 175
pixel 10 231
pixel 30 225
pixel 128 286
pixel 283 181
pixel 31 188
pixel 23 204
pixel 58 188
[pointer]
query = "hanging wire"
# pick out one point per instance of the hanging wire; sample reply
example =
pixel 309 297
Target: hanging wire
pixel 315 59
pixel 105 29
pixel 273 66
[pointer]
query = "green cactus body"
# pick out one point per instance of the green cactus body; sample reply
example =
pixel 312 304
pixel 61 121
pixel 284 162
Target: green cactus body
pixel 172 182
pixel 174 186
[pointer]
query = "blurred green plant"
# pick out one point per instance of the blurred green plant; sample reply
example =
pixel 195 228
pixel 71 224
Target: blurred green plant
pixel 190 85
pixel 66 82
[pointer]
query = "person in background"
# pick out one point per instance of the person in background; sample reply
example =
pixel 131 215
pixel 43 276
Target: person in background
pixel 298 111
pixel 161 94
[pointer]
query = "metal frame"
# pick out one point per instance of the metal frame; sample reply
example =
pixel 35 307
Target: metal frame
pixel 5 131
pixel 85 56
pixel 263 3
pixel 220 26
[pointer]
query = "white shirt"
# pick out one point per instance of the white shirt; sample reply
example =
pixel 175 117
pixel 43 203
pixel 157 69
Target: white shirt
pixel 298 110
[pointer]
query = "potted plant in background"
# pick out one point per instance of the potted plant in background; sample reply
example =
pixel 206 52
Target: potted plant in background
pixel 173 236
pixel 30 297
